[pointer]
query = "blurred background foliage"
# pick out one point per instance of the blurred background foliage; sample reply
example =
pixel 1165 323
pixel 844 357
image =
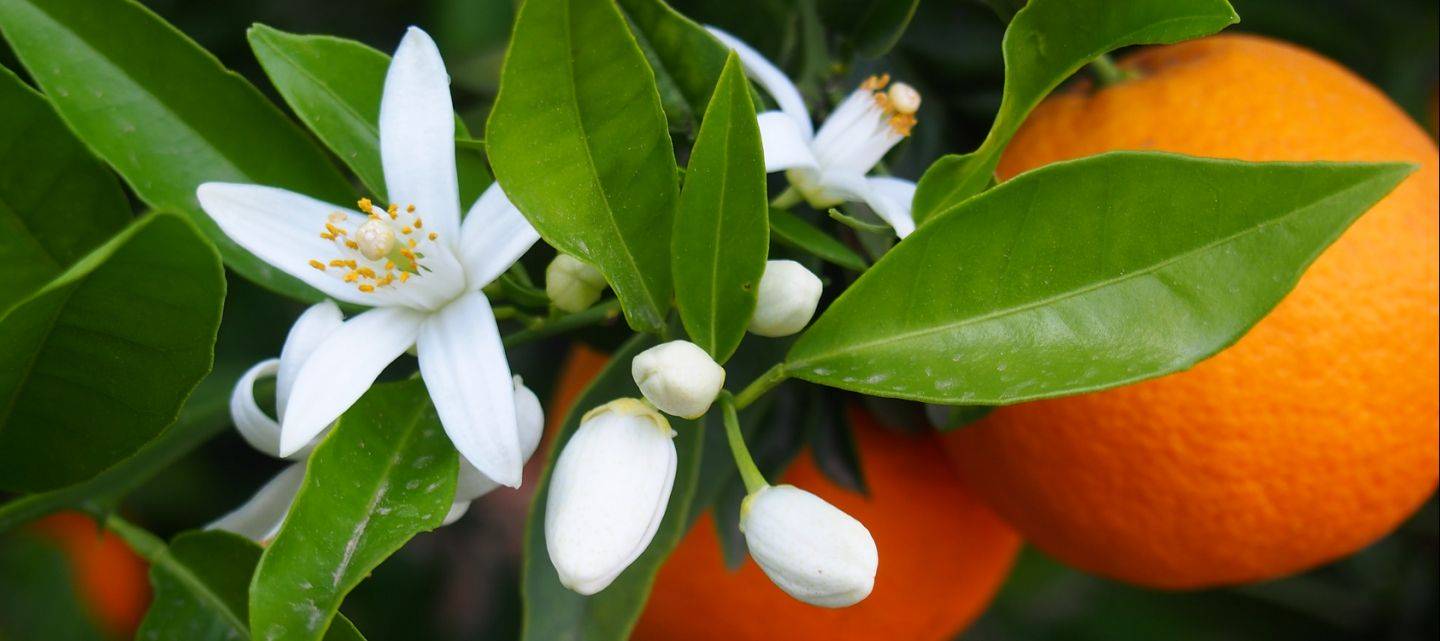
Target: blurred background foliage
pixel 461 582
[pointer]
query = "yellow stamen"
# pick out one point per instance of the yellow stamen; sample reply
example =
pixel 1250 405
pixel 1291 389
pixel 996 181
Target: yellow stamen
pixel 404 276
pixel 366 207
pixel 367 288
pixel 410 209
pixel 317 264
pixel 350 277
pixel 434 235
pixel 405 230
pixel 419 223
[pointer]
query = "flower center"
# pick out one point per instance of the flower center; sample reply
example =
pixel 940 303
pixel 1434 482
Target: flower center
pixel 898 104
pixel 383 251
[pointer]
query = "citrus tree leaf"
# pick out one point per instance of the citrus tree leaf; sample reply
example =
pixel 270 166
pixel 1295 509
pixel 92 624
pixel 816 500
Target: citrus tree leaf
pixel 166 114
pixel 792 230
pixel 579 141
pixel 874 26
pixel 38 595
pixel 200 582
pixel 1047 42
pixel 1019 293
pixel 721 233
pixel 334 86
pixel 685 53
pixel 100 360
pixel 385 473
pixel 551 610
pixel 57 203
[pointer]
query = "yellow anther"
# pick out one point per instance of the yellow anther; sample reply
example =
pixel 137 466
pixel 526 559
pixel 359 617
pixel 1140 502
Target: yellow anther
pixel 367 288
pixel 876 83
pixel 337 263
pixel 366 207
pixel 410 209
pixel 317 264
pixel 352 244
pixel 327 235
pixel 411 243
pixel 389 265
pixel 419 223
pixel 351 277
pixel 404 276
pixel 902 123
pixel 405 230
pixel 334 230
pixel 366 272
pixel 434 235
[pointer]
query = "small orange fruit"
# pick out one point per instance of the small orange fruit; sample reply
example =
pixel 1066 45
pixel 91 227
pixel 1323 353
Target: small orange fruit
pixel 1312 436
pixel 942 556
pixel 110 579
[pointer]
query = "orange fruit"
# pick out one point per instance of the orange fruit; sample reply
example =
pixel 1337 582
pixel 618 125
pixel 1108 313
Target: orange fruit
pixel 942 556
pixel 1312 436
pixel 110 579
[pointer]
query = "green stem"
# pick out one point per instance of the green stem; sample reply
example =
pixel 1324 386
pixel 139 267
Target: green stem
pixel 545 328
pixel 1107 73
pixel 857 224
pixel 754 480
pixel 758 387
pixel 147 545
pixel 787 198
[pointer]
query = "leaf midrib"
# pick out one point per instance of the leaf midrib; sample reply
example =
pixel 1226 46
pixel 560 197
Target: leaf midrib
pixel 1145 271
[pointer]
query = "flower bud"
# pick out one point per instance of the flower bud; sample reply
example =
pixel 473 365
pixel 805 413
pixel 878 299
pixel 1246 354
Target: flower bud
pixel 809 548
pixel 608 493
pixel 678 377
pixel 572 286
pixel 786 299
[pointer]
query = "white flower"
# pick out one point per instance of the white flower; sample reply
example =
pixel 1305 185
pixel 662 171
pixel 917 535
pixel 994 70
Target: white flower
pixel 828 167
pixel 608 493
pixel 786 299
pixel 678 377
pixel 573 286
pixel 260 517
pixel 414 263
pixel 809 548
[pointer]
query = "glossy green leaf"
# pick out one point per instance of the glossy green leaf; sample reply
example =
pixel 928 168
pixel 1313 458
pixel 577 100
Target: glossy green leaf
pixel 384 474
pixel 579 141
pixel 1047 42
pixel 100 360
pixel 166 114
pixel 721 233
pixel 57 203
pixel 334 86
pixel 551 610
pixel 38 595
pixel 687 55
pixel 1084 275
pixel 874 25
pixel 795 232
pixel 200 584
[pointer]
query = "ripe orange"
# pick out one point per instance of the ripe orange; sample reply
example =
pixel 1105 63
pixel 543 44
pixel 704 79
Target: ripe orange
pixel 942 556
pixel 109 578
pixel 1311 437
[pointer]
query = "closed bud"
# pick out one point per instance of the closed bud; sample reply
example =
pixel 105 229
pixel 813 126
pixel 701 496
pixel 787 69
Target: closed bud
pixel 786 299
pixel 678 377
pixel 572 286
pixel 809 548
pixel 608 493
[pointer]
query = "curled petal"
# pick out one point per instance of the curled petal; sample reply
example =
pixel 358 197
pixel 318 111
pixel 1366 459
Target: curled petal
pixel 775 82
pixel 891 198
pixel 254 425
pixel 784 145
pixel 309 331
pixel 259 519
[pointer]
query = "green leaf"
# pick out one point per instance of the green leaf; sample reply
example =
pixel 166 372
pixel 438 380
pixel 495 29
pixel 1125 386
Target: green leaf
pixel 579 141
pixel 1084 275
pixel 334 86
pixel 166 114
pixel 795 232
pixel 551 610
pixel 873 25
pixel 200 582
pixel 721 233
pixel 1047 42
pixel 38 595
pixel 57 201
pixel 100 360
pixel 384 474
pixel 686 53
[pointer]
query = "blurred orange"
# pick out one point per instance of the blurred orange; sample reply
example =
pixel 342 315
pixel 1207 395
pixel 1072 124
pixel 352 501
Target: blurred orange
pixel 110 579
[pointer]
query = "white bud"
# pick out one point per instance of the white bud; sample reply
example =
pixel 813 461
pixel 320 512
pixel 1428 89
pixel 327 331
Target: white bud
pixel 786 299
pixel 608 493
pixel 678 377
pixel 809 548
pixel 376 239
pixel 530 420
pixel 904 98
pixel 572 285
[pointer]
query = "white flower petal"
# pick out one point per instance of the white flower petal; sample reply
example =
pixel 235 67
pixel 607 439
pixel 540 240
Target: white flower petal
pixel 254 425
pixel 417 135
pixel 891 199
pixel 465 370
pixel 283 229
pixel 608 493
pixel 260 518
pixel 494 235
pixel 457 510
pixel 772 79
pixel 472 483
pixel 310 329
pixel 808 547
pixel 784 146
pixel 342 368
